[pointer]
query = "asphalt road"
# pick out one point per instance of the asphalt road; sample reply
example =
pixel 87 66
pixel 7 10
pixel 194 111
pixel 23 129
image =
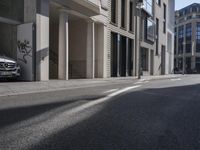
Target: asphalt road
pixel 140 115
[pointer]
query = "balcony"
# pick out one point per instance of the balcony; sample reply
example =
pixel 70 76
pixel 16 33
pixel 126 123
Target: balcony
pixel 91 7
pixel 87 7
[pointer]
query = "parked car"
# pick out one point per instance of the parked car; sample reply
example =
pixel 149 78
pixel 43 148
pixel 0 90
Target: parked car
pixel 9 68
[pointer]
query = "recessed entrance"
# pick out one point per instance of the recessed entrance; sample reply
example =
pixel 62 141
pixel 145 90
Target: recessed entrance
pixel 74 46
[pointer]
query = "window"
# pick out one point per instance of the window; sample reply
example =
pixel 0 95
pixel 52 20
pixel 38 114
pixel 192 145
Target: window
pixel 123 13
pixel 198 37
pixel 113 11
pixel 180 39
pixel 188 33
pixel 181 20
pixel 175 40
pixel 186 11
pixel 180 13
pixel 165 11
pixel 189 17
pixel 164 22
pixel 150 30
pixel 164 26
pixel 194 9
pixel 114 54
pixel 131 16
pixel 180 63
pixel 148 6
pixel 188 64
pixel 157 35
pixel 158 2
pixel 198 64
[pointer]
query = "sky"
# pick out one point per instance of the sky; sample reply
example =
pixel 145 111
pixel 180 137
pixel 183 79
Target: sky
pixel 182 3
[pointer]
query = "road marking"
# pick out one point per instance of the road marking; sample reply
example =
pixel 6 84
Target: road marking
pixel 110 91
pixel 101 100
pixel 177 79
pixel 141 82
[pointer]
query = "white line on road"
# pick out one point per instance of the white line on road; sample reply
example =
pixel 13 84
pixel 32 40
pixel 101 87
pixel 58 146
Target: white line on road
pixel 110 91
pixel 141 82
pixel 177 79
pixel 101 100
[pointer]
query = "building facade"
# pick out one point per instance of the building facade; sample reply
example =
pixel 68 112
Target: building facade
pixel 158 38
pixel 59 39
pixel 187 39
pixel 144 39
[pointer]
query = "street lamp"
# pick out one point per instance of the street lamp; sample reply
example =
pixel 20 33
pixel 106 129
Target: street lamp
pixel 139 7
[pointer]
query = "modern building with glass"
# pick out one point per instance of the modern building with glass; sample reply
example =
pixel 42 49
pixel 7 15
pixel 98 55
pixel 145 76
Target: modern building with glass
pixel 87 39
pixel 187 39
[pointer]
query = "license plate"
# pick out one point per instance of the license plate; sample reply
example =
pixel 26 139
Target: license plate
pixel 6 73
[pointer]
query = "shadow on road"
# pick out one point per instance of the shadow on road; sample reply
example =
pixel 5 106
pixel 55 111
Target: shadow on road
pixel 14 115
pixel 152 119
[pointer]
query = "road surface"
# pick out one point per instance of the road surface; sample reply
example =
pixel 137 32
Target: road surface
pixel 139 115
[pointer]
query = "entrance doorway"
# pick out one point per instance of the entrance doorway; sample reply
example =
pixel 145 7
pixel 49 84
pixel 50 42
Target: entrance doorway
pixel 74 46
pixel 163 55
pixel 152 63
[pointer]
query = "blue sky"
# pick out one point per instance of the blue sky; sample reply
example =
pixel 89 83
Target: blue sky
pixel 182 3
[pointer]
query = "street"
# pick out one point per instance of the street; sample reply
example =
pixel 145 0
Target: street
pixel 135 115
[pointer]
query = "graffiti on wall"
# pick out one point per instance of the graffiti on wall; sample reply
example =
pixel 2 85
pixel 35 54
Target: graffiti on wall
pixel 25 50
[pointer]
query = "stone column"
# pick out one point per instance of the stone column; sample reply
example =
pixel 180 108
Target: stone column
pixel 90 51
pixel 42 40
pixel 63 46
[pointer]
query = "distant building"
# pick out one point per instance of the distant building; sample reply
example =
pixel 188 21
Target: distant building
pixel 187 39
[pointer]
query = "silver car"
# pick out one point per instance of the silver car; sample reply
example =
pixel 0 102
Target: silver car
pixel 9 68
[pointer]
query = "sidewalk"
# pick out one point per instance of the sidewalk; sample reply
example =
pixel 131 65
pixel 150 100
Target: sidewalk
pixel 16 88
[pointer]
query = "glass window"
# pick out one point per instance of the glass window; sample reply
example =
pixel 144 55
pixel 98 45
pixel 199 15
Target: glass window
pixel 198 37
pixel 175 40
pixel 158 2
pixel 186 11
pixel 148 6
pixel 180 39
pixel 198 64
pixel 150 30
pixel 188 33
pixel 113 11
pixel 180 13
pixel 157 35
pixel 189 17
pixel 188 64
pixel 131 16
pixel 123 13
pixel 194 9
pixel 164 26
pixel 165 11
pixel 180 63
